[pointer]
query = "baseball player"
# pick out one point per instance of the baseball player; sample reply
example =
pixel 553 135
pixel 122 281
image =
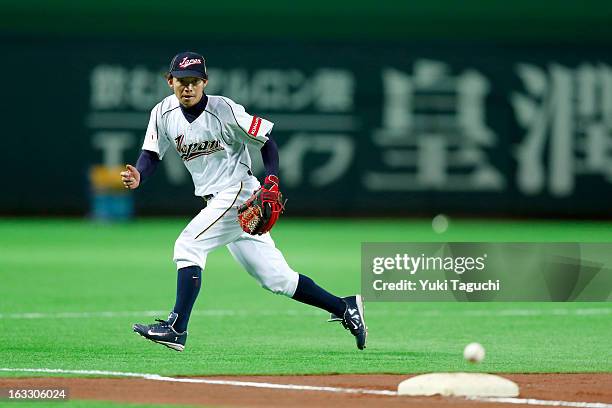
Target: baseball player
pixel 211 133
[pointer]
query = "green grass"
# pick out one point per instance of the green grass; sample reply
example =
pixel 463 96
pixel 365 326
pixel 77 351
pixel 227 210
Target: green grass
pixel 62 266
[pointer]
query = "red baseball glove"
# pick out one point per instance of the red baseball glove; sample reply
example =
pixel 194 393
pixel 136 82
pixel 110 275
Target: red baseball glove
pixel 259 213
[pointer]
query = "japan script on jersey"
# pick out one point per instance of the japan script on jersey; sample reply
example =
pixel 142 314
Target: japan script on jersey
pixel 193 150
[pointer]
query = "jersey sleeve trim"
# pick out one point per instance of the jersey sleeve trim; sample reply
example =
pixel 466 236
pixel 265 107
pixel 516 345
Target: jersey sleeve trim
pixel 251 137
pixel 220 124
pixel 156 129
pixel 154 141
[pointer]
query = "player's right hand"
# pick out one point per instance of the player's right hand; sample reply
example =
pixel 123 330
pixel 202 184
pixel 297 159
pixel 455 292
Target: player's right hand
pixel 130 177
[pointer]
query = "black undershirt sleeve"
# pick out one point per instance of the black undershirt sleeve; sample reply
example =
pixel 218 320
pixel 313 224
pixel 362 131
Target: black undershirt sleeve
pixel 147 164
pixel 269 155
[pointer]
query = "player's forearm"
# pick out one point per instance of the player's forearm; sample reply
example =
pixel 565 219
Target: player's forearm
pixel 269 155
pixel 147 164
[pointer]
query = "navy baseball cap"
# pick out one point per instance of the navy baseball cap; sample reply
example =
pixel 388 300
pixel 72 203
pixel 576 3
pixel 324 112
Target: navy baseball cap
pixel 188 64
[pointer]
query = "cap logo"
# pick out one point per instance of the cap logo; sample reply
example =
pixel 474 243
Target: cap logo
pixel 187 62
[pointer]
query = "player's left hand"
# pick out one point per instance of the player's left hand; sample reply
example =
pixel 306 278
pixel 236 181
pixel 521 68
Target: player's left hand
pixel 260 212
pixel 130 177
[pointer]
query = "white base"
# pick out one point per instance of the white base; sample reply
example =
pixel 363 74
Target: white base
pixel 458 384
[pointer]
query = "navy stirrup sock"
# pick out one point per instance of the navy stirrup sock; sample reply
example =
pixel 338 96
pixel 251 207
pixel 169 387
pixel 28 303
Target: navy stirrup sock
pixel 310 293
pixel 189 280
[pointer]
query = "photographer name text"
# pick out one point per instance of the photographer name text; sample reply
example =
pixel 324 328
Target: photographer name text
pixel 427 285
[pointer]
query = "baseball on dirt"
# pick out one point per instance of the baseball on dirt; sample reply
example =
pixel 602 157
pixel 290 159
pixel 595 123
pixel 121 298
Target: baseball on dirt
pixel 474 353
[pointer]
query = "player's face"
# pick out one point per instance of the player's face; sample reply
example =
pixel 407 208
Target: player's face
pixel 188 90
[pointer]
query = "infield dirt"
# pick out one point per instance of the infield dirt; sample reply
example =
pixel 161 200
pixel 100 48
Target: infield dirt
pixel 553 387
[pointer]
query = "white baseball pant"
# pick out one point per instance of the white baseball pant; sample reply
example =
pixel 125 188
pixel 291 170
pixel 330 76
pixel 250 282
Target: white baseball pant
pixel 217 225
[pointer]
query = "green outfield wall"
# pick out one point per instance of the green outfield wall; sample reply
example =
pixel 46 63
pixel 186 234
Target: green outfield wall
pixel 408 108
pixel 377 127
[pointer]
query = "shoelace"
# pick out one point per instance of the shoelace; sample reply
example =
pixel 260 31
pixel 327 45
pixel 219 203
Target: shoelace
pixel 345 324
pixel 162 323
pixel 350 328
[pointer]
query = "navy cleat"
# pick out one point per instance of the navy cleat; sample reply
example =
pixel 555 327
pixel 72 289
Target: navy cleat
pixel 163 333
pixel 353 319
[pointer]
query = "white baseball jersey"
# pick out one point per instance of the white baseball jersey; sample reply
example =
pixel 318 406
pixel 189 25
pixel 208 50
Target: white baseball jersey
pixel 212 147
